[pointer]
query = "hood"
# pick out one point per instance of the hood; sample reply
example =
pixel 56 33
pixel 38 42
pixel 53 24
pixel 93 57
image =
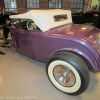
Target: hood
pixel 90 33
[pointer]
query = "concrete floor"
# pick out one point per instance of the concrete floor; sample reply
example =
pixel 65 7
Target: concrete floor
pixel 24 78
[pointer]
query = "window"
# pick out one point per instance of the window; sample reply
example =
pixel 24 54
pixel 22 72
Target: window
pixel 26 24
pixel 60 17
pixel 32 4
pixel 54 4
pixel 10 6
pixel 1 6
pixel 77 6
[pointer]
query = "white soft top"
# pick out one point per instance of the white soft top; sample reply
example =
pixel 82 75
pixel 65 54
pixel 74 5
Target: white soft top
pixel 44 19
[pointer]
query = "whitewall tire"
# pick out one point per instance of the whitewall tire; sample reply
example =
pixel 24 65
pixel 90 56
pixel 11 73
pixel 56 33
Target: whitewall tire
pixel 68 73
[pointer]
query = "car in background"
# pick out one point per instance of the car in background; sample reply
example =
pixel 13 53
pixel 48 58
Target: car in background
pixel 84 17
pixel 70 50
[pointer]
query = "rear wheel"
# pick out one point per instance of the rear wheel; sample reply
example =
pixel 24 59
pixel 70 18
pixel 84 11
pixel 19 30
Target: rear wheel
pixel 68 73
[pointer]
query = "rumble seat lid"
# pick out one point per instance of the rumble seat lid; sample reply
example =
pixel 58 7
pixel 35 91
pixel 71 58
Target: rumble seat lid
pixel 44 19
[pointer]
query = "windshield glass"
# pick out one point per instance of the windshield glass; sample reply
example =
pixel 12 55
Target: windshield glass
pixel 16 21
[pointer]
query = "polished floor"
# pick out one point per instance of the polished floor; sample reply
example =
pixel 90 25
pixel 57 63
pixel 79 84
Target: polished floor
pixel 23 78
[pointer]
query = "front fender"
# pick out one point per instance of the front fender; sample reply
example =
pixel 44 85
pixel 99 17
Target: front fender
pixel 84 53
pixel 51 45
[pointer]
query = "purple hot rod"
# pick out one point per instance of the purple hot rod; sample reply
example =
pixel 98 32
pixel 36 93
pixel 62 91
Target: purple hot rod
pixel 70 50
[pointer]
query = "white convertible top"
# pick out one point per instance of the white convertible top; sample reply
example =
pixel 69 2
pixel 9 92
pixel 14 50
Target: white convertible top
pixel 44 19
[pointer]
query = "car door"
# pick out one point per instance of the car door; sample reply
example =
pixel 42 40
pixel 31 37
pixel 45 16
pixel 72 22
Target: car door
pixel 23 42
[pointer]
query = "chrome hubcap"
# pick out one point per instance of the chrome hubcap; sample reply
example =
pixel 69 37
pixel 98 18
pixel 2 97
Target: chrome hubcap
pixel 64 75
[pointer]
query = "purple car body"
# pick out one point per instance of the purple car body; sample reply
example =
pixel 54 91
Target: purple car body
pixel 80 39
pixel 70 50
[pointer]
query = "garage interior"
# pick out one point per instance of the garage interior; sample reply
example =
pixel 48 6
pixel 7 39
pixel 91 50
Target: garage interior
pixel 24 78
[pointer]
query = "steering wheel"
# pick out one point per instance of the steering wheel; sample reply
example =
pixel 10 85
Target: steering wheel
pixel 30 25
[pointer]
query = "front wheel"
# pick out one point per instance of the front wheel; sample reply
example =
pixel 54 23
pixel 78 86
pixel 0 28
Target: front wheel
pixel 68 73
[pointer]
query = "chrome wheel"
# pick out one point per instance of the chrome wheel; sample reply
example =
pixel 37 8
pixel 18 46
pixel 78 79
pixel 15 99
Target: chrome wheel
pixel 64 75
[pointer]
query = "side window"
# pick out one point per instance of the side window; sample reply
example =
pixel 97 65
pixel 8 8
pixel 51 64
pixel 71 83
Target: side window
pixel 60 17
pixel 26 24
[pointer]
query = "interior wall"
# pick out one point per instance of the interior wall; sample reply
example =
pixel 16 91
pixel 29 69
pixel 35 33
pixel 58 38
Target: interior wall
pixel 1 6
pixel 94 3
pixel 21 6
pixel 87 5
pixel 44 4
